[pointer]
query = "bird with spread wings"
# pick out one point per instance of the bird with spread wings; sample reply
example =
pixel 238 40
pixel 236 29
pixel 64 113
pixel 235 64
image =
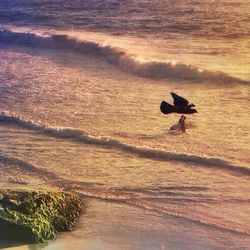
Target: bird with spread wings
pixel 181 106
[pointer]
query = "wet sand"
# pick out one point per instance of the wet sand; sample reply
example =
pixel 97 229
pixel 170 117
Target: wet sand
pixel 113 226
pixel 117 226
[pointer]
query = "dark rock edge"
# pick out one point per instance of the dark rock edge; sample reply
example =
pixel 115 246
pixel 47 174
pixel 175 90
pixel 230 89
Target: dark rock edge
pixel 28 216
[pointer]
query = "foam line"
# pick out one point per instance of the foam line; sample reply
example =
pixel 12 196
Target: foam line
pixel 146 152
pixel 116 57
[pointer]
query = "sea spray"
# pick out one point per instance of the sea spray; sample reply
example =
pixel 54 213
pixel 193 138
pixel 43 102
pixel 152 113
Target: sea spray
pixel 116 57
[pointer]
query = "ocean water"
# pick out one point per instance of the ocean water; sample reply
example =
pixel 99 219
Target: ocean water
pixel 80 87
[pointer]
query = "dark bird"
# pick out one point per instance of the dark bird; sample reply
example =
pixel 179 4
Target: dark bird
pixel 181 106
pixel 181 101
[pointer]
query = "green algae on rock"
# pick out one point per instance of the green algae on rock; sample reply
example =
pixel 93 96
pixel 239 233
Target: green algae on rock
pixel 36 216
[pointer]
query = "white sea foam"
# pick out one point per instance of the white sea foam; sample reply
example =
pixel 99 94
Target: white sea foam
pixel 151 153
pixel 19 180
pixel 116 57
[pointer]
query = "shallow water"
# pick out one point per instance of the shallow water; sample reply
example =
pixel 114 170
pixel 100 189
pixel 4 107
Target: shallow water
pixel 80 111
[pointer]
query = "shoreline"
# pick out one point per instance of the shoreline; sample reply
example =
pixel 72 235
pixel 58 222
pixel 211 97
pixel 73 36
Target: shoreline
pixel 112 226
pixel 107 225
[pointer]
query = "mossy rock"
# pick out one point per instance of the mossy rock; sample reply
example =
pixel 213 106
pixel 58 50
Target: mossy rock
pixel 36 216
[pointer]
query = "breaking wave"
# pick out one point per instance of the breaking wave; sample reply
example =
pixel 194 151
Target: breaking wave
pixel 116 57
pixel 146 152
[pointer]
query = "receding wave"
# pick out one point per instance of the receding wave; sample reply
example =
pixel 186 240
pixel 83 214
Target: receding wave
pixel 116 57
pixel 199 221
pixel 146 152
pixel 148 204
pixel 48 175
pixel 26 166
pixel 140 197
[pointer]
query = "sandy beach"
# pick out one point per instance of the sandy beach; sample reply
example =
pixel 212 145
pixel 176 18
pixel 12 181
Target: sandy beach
pixel 116 226
pixel 81 90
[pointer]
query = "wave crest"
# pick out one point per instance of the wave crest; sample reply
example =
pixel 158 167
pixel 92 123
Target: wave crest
pixel 116 57
pixel 146 152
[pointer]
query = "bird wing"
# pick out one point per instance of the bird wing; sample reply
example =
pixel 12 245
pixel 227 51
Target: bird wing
pixel 178 100
pixel 166 108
